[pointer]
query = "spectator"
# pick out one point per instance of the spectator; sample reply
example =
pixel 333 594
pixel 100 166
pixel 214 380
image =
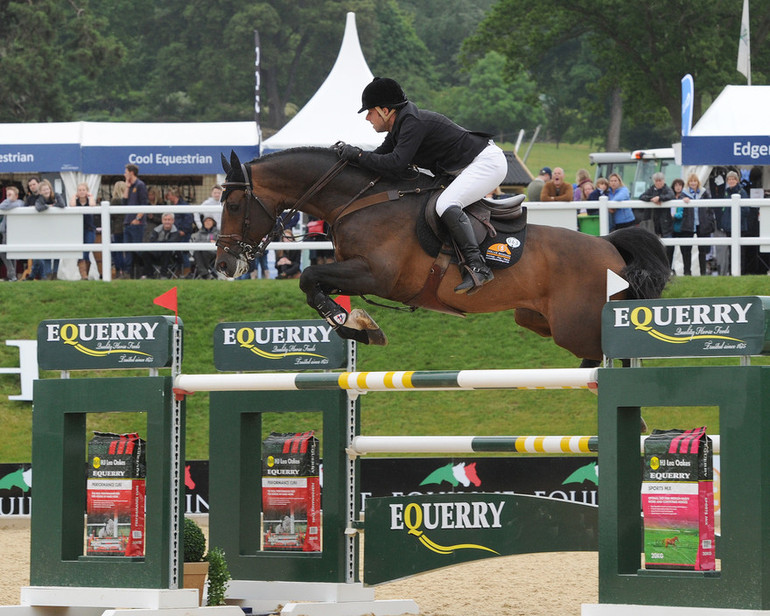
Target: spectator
pixel 581 177
pixel 584 192
pixel 185 223
pixel 84 198
pixel 287 262
pixel 134 224
pixel 151 219
pixel 47 197
pixel 622 217
pixel 700 219
pixel 10 202
pixel 602 189
pixel 557 189
pixel 724 221
pixel 662 220
pixel 204 260
pixel 158 263
pixel 118 197
pixel 535 187
pixel 33 190
pixel 214 199
pixel 318 231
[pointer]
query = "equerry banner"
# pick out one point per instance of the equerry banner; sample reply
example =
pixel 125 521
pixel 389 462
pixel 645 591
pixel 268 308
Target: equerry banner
pixel 107 343
pixel 278 345
pixel 702 327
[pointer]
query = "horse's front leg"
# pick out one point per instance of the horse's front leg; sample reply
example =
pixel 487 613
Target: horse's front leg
pixel 350 278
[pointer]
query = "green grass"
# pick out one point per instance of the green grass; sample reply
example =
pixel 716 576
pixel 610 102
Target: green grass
pixel 419 341
pixel 568 156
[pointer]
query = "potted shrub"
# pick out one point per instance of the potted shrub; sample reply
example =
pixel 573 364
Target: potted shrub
pixel 219 576
pixel 195 567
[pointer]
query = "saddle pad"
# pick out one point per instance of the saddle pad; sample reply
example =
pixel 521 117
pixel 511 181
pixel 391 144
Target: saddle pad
pixel 500 252
pixel 504 250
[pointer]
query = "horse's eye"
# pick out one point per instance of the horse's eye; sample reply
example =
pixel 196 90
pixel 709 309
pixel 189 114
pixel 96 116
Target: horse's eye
pixel 233 206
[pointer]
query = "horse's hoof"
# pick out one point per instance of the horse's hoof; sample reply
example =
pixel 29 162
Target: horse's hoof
pixel 377 337
pixel 360 320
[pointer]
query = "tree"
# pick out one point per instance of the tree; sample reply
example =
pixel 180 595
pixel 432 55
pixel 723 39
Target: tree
pixel 489 103
pixel 641 50
pixel 53 55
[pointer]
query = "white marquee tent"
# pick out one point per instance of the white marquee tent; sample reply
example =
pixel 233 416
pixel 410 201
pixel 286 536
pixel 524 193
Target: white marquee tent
pixel 734 130
pixel 331 115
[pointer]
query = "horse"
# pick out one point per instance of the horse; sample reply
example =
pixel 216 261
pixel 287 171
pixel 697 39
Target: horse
pixel 557 288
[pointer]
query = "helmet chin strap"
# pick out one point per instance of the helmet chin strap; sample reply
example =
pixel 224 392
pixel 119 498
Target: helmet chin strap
pixel 383 115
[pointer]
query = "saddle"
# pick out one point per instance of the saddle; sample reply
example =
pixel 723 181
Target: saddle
pixel 500 227
pixel 488 217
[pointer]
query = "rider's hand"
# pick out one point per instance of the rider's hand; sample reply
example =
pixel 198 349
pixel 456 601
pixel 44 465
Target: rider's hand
pixel 349 152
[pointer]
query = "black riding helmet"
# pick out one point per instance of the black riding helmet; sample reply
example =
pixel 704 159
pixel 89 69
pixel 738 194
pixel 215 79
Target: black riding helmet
pixel 382 92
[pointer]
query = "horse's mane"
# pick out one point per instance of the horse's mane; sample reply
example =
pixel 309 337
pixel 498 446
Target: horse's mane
pixel 421 179
pixel 293 151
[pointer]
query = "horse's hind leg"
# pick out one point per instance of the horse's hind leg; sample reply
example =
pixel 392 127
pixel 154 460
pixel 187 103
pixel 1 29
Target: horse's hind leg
pixel 318 281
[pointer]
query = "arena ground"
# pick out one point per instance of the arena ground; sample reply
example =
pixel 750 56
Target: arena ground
pixel 527 585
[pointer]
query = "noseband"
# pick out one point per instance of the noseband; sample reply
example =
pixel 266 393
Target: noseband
pixel 237 244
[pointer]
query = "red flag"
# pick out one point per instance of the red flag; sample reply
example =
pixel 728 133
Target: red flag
pixel 168 300
pixel 344 301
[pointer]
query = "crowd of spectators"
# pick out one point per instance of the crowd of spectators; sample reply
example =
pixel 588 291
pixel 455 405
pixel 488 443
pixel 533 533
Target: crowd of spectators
pixel 669 218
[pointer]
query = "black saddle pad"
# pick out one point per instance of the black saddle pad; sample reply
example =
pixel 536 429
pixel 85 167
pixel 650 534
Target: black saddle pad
pixel 501 251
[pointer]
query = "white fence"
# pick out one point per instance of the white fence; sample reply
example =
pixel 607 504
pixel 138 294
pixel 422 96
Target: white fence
pixel 58 233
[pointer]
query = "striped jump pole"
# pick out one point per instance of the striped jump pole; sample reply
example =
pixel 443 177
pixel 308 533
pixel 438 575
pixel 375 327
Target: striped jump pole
pixel 426 380
pixel 363 445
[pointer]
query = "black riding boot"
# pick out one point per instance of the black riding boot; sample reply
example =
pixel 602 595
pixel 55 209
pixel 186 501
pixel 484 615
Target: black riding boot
pixel 476 273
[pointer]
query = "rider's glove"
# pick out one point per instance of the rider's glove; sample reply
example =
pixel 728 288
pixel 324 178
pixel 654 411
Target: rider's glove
pixel 349 152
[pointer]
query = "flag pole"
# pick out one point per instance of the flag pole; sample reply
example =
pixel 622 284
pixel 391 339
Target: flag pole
pixel 744 44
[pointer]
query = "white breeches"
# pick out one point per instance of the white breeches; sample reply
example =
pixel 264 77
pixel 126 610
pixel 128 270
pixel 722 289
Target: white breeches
pixel 482 176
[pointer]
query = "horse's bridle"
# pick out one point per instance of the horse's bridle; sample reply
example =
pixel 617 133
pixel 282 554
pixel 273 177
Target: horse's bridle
pixel 227 240
pixel 247 250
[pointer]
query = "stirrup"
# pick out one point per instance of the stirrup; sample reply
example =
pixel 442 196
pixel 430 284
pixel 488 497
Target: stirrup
pixel 473 279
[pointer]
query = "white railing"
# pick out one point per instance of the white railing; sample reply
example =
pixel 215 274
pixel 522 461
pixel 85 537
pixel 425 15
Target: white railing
pixel 565 214
pixel 51 235
pixel 44 235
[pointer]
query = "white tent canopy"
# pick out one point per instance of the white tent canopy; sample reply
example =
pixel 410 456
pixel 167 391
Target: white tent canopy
pixel 331 115
pixel 734 130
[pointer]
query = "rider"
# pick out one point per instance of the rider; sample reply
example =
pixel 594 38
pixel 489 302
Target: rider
pixel 432 141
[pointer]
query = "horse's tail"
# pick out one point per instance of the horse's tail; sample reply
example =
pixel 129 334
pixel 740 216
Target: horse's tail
pixel 647 268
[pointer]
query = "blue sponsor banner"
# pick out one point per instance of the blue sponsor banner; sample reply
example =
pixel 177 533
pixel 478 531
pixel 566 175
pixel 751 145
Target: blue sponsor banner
pixel 37 158
pixel 733 150
pixel 162 160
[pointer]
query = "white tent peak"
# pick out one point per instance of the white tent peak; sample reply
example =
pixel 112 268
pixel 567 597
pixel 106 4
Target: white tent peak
pixel 331 115
pixel 737 111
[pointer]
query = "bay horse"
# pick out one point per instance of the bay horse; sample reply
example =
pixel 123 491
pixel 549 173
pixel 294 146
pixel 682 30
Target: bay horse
pixel 557 288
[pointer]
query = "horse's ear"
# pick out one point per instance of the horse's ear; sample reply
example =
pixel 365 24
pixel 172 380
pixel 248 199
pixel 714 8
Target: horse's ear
pixel 235 162
pixel 225 165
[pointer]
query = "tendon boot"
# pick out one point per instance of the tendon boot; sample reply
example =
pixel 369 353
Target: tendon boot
pixel 83 268
pixel 475 271
pixel 330 310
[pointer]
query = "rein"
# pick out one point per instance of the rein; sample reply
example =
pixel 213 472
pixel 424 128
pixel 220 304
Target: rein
pixel 249 251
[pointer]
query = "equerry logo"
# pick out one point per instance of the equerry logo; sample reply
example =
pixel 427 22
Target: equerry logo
pixel 283 341
pixel 687 322
pixel 101 339
pixel 417 518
